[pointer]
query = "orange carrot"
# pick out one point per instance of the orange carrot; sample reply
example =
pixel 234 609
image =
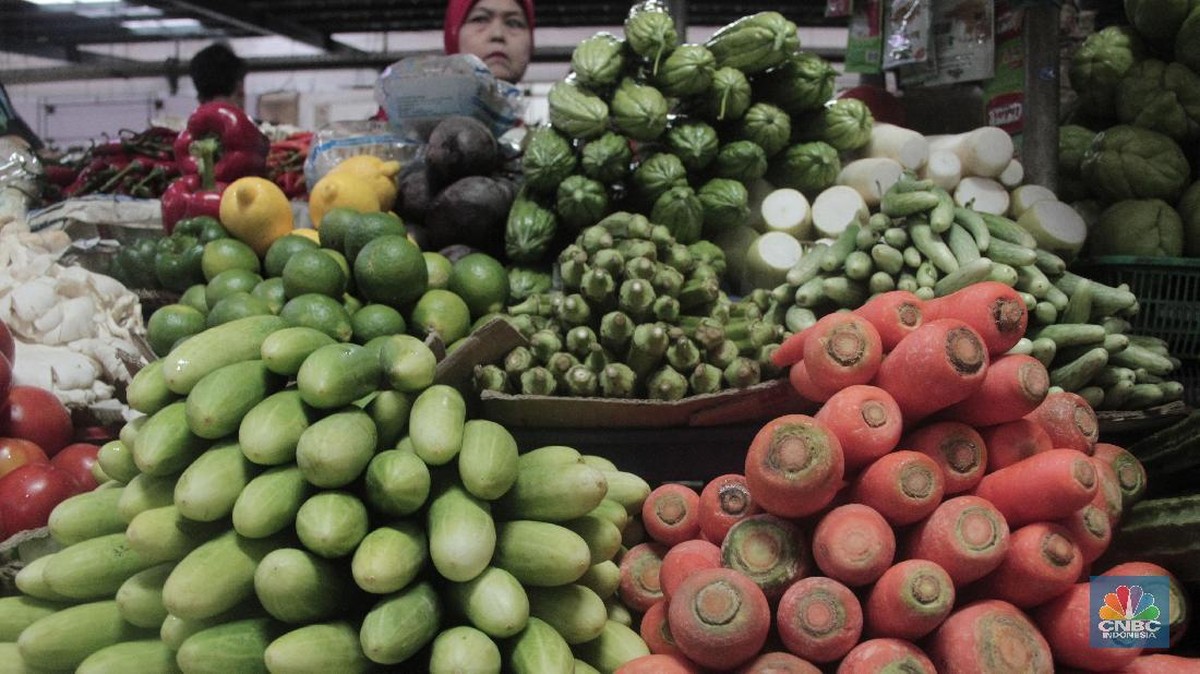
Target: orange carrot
pixel 1042 563
pixel 886 655
pixel 844 349
pixel 778 662
pixel 791 351
pixel 957 449
pixel 894 314
pixel 655 631
pixel 671 513
pixel 1108 493
pixel 819 619
pixel 802 382
pixel 1014 385
pixel 965 535
pixel 992 309
pixel 1046 486
pixel 1010 442
pixel 853 544
pixel 1091 529
pixel 684 559
pixel 723 501
pixel 909 600
pixel 719 618
pixel 769 550
pixel 1066 622
pixel 1161 663
pixel 1181 604
pixel 903 486
pixel 658 663
pixel 640 582
pixel 866 421
pixel 937 365
pixel 794 466
pixel 1069 421
pixel 991 636
pixel 1131 476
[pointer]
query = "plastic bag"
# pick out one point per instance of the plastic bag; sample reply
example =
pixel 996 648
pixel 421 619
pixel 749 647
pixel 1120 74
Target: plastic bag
pixel 340 140
pixel 418 91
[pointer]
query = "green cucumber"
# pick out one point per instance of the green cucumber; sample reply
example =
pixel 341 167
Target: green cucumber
pixel 438 420
pixel 628 489
pixel 1077 373
pixel 165 445
pixel 296 586
pixel 401 624
pixel 176 630
pixel 548 455
pixel 30 581
pixel 63 640
pixel 389 412
pixel 144 656
pixel 87 515
pixel 540 649
pixel 616 645
pixel 541 553
pixel 94 569
pixel 116 456
pixel 962 245
pixel 20 611
pixel 268 503
pixel 408 363
pixel 208 489
pixel 603 578
pixel 1073 334
pixel 464 649
pixel 284 350
pixel 236 646
pixel 574 611
pixel 494 602
pixel 1004 229
pixel 140 597
pixel 218 402
pixel 389 557
pixel 145 492
pixel 335 450
pixel 163 534
pixel 332 523
pixel 933 248
pixel 554 494
pixel 270 431
pixel 147 391
pixel 487 462
pixel 237 341
pixel 321 647
pixel 397 482
pixel 969 273
pixel 602 536
pixel 335 375
pixel 462 536
pixel 216 576
pixel 1012 254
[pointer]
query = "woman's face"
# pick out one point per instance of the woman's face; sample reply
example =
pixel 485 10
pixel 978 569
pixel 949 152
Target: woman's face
pixel 497 32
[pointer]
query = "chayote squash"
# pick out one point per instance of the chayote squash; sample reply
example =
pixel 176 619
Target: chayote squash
pixel 1141 227
pixel 1187 40
pixel 599 60
pixel 548 159
pixel 639 110
pixel 657 174
pixel 527 280
pixel 728 97
pixel 808 167
pixel 1163 97
pixel 754 43
pixel 529 230
pixel 767 125
pixel 575 111
pixel 650 32
pixel 844 123
pixel 1189 211
pixel 688 71
pixel 740 160
pixel 1098 65
pixel 679 209
pixel 581 202
pixel 726 204
pixel 1073 142
pixel 800 85
pixel 1129 162
pixel 1158 21
pixel 695 143
pixel 606 158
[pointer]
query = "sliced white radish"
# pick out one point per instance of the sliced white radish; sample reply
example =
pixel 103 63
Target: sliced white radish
pixel 871 177
pixel 944 168
pixel 1027 195
pixel 835 208
pixel 757 190
pixel 1012 175
pixel 1056 226
pixel 735 242
pixel 769 258
pixel 984 151
pixel 787 210
pixel 982 194
pixel 896 142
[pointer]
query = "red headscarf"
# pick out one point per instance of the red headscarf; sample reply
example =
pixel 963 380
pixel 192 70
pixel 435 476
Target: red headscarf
pixel 456 15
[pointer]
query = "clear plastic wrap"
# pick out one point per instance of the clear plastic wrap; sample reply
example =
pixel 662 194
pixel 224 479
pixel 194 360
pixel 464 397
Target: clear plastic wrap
pixel 340 140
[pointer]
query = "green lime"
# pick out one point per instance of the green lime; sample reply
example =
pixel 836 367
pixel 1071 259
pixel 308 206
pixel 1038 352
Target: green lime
pixel 228 282
pixel 312 271
pixel 370 226
pixel 438 266
pixel 376 320
pixel 194 297
pixel 340 258
pixel 170 323
pixel 391 270
pixel 271 292
pixel 443 312
pixel 320 312
pixel 283 249
pixel 334 225
pixel 237 305
pixel 223 254
pixel 481 281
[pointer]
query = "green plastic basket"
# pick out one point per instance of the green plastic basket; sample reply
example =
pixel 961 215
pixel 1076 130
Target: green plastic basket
pixel 1168 292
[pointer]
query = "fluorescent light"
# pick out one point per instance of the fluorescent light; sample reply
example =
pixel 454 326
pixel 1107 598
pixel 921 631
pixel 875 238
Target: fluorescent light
pixel 73 2
pixel 119 11
pixel 160 25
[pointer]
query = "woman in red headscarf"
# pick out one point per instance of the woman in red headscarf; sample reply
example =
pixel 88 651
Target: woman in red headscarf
pixel 500 32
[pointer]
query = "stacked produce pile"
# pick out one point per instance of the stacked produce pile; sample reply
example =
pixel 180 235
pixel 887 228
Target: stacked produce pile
pixel 305 505
pixel 1129 154
pixel 135 164
pixel 937 513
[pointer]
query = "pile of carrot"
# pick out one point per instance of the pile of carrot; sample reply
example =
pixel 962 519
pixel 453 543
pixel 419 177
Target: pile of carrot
pixel 941 512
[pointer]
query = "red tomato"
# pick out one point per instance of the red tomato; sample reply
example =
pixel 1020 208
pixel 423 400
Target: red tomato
pixel 8 347
pixel 77 459
pixel 36 414
pixel 15 452
pixel 5 376
pixel 29 493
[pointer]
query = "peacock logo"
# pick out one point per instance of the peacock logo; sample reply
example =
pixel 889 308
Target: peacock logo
pixel 1127 613
pixel 1129 602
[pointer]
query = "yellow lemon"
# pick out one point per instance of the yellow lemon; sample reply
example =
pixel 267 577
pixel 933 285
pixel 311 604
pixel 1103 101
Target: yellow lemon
pixel 256 211
pixel 341 189
pixel 379 174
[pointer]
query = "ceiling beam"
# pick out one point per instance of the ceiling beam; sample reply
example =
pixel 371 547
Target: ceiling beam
pixel 65 52
pixel 237 15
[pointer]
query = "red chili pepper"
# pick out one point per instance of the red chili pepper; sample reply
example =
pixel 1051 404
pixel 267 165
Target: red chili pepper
pixel 193 194
pixel 240 148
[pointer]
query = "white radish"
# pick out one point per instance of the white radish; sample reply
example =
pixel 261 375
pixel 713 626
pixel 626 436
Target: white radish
pixel 1025 196
pixel 787 210
pixel 982 194
pixel 984 151
pixel 769 258
pixel 1013 174
pixel 1055 226
pixel 735 242
pixel 896 142
pixel 944 168
pixel 757 190
pixel 835 208
pixel 871 177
